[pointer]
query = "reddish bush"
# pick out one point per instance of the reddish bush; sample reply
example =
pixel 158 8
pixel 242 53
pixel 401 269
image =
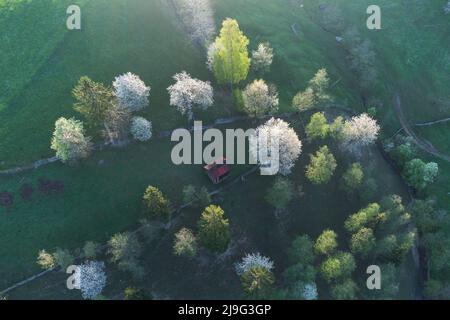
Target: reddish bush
pixel 26 191
pixel 6 199
pixel 48 186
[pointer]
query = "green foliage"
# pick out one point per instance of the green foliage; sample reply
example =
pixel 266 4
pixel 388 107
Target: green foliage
pixel 155 203
pixel 132 293
pixel 214 229
pixel 345 290
pixel 326 243
pixel 45 260
pixel 419 174
pixel 363 242
pixel 281 193
pixel 427 218
pixel 185 243
pixel 337 128
pixel 91 249
pixel 362 218
pixel 338 266
pixel 301 250
pixel 93 101
pixel 258 282
pixel 198 196
pixel 315 94
pixel 63 258
pixel 231 62
pixel 302 256
pixel 318 127
pixel 305 100
pixel 321 167
pixel 125 250
pixel 238 100
pixel 353 178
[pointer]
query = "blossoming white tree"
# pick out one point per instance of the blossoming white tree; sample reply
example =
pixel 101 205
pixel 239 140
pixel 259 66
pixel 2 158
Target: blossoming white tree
pixel 141 129
pixel 198 18
pixel 188 93
pixel 131 92
pixel 91 278
pixel 69 140
pixel 277 131
pixel 359 132
pixel 262 58
pixel 259 99
pixel 309 291
pixel 252 260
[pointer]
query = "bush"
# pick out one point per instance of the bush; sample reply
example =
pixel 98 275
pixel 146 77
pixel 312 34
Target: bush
pixel 155 203
pixel 281 193
pixel 45 260
pixel 185 243
pixel 141 129
pixel 258 282
pixel 63 258
pixel 326 243
pixel 91 249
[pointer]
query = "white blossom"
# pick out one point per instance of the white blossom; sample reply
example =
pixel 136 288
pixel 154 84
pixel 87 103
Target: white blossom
pixel 307 291
pixel 259 99
pixel 253 260
pixel 91 278
pixel 447 8
pixel 359 132
pixel 188 92
pixel 290 146
pixel 431 172
pixel 141 129
pixel 131 92
pixel 262 58
pixel 210 56
pixel 69 140
pixel 198 19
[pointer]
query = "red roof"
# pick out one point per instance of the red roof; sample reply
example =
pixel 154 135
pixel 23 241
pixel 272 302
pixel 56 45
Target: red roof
pixel 219 171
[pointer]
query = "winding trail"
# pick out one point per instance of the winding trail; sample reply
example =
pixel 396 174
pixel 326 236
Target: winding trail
pixel 420 142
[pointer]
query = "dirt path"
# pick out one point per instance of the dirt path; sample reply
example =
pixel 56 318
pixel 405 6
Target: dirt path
pixel 420 142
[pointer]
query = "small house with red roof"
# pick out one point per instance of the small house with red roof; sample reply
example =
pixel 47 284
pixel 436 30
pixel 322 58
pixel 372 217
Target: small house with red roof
pixel 218 171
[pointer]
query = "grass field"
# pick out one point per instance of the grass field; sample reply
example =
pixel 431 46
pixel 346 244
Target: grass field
pixel 140 36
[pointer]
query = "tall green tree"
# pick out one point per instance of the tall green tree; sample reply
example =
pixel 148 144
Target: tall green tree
pixel 321 167
pixel 231 62
pixel 318 127
pixel 326 243
pixel 93 101
pixel 214 229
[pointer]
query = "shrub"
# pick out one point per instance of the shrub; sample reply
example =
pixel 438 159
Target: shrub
pixel 155 203
pixel 185 243
pixel 45 260
pixel 141 129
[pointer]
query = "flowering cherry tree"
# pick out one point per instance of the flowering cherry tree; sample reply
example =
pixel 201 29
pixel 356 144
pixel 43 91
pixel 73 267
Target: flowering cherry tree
pixel 131 92
pixel 360 132
pixel 92 279
pixel 188 93
pixel 262 58
pixel 259 99
pixel 252 260
pixel 277 131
